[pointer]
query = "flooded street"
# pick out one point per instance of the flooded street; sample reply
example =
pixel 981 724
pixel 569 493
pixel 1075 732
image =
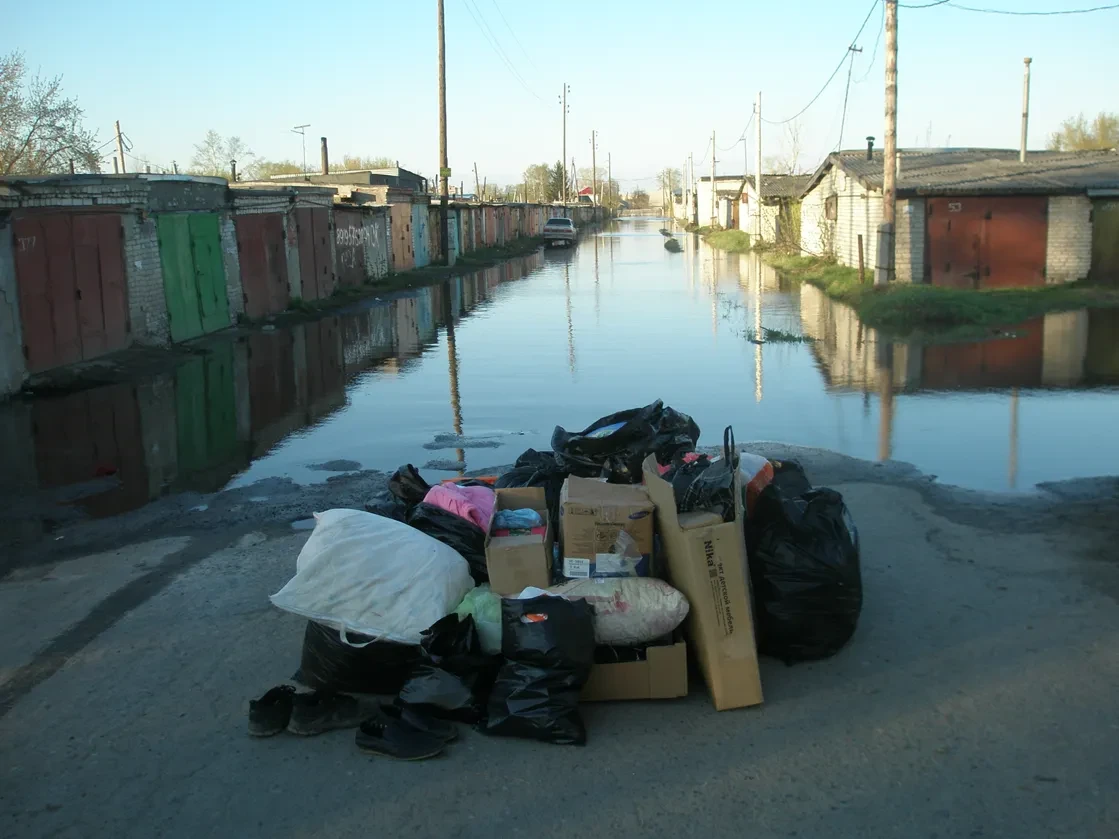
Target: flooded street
pixel 469 373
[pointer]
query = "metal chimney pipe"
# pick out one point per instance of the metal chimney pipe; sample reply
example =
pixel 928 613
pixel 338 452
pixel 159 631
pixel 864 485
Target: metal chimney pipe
pixel 870 148
pixel 1025 109
pixel 325 157
pixel 233 171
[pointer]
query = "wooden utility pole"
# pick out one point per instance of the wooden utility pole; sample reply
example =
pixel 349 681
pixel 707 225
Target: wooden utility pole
pixel 758 168
pixel 1025 109
pixel 693 211
pixel 444 168
pixel 120 149
pixel 563 105
pixel 714 214
pixel 594 172
pixel 609 176
pixel 477 186
pixel 884 269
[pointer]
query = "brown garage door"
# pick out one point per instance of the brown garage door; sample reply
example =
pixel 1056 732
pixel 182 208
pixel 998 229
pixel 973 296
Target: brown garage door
pixel 264 264
pixel 72 292
pixel 986 242
pixel 313 235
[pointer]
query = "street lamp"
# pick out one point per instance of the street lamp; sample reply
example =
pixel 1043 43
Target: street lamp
pixel 299 129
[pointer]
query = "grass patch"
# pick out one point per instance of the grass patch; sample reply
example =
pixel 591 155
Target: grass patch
pixel 776 336
pixel 672 246
pixel 904 308
pixel 734 241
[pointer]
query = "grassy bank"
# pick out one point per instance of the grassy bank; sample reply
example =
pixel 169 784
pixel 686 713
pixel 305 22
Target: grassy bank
pixel 904 308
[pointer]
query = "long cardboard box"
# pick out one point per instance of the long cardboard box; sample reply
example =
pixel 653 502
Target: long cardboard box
pixel 708 564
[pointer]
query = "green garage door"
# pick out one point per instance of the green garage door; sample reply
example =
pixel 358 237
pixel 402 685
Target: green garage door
pixel 193 274
pixel 1105 241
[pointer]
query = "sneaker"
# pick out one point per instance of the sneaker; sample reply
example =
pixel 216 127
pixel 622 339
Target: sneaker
pixel 413 717
pixel 381 735
pixel 270 714
pixel 318 711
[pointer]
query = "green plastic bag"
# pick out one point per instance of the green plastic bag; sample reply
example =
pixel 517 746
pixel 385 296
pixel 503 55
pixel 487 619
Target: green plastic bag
pixel 485 607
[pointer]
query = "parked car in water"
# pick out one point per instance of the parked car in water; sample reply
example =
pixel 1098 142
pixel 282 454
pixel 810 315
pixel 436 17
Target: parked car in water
pixel 559 231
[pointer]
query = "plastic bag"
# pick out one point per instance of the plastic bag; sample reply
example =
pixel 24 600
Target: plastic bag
pixel 616 445
pixel 707 485
pixel 548 644
pixel 407 485
pixel 629 611
pixel 804 567
pixel 464 536
pixel 537 469
pixel 485 607
pixel 453 680
pixel 757 474
pixel 361 666
pixel 388 505
pixel 364 573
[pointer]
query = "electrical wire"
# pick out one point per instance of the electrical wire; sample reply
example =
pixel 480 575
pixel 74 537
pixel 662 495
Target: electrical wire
pixel 874 52
pixel 1052 13
pixel 834 73
pixel 846 94
pixel 742 137
pixel 524 52
pixel 487 33
pixel 923 6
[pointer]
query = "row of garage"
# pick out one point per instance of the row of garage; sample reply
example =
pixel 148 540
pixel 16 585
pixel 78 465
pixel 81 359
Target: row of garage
pixel 93 264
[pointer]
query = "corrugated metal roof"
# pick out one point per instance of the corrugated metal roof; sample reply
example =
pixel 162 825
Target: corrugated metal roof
pixel 959 171
pixel 782 186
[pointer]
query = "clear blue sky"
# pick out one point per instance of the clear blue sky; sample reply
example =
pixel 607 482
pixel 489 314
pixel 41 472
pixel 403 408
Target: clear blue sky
pixel 654 78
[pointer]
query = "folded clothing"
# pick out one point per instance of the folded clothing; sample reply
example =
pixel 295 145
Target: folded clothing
pixel 523 519
pixel 521 531
pixel 473 503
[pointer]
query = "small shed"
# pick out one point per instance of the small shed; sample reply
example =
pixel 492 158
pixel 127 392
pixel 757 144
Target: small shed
pixel 780 212
pixel 972 218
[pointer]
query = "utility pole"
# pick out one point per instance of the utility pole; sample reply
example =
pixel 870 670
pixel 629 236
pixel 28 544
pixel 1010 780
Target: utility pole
pixel 444 168
pixel 1025 109
pixel 120 149
pixel 884 270
pixel 692 211
pixel 594 172
pixel 477 186
pixel 301 131
pixel 563 105
pixel 714 214
pixel 758 167
pixel 609 176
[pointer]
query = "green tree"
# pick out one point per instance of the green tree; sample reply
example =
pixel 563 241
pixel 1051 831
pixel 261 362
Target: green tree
pixel 1077 134
pixel 639 199
pixel 357 161
pixel 213 155
pixel 555 182
pixel 41 130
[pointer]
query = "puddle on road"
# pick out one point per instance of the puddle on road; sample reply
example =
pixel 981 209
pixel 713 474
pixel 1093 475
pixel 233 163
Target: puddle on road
pixel 469 373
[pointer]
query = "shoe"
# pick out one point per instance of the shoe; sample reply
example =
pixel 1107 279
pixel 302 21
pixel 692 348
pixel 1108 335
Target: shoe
pixel 422 722
pixel 270 714
pixel 381 735
pixel 320 710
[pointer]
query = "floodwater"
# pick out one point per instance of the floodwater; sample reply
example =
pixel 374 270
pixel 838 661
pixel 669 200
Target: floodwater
pixel 468 374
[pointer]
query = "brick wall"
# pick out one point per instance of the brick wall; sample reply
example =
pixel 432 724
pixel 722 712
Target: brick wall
pixel 232 264
pixel 13 370
pixel 1068 245
pixel 147 304
pixel 909 242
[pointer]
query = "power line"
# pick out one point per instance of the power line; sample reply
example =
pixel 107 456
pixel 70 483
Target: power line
pixel 874 52
pixel 846 93
pixel 487 33
pixel 742 137
pixel 834 73
pixel 1015 13
pixel 524 52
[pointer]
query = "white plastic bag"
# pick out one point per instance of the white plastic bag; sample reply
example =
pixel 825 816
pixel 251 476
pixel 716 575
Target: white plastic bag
pixel 629 611
pixel 365 573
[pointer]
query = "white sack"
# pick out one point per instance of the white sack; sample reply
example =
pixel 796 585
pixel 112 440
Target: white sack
pixel 629 611
pixel 369 574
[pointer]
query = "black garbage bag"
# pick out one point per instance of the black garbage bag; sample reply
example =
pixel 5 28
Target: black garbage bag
pixel 407 485
pixel 790 478
pixel 548 645
pixel 388 505
pixel 616 445
pixel 537 469
pixel 455 532
pixel 454 679
pixel 803 555
pixel 706 484
pixel 328 663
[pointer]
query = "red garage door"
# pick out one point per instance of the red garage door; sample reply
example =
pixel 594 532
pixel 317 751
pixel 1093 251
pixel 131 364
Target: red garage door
pixel 986 242
pixel 350 239
pixel 72 298
pixel 264 264
pixel 315 270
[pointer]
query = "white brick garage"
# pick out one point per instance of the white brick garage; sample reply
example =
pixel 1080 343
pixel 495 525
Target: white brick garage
pixel 967 218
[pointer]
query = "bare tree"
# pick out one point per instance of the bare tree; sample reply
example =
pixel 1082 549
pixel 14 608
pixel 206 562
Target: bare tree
pixel 787 161
pixel 41 130
pixel 213 154
pixel 357 161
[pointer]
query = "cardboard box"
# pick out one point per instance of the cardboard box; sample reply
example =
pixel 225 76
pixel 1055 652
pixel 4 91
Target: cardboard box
pixel 515 562
pixel 592 515
pixel 708 564
pixel 662 675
